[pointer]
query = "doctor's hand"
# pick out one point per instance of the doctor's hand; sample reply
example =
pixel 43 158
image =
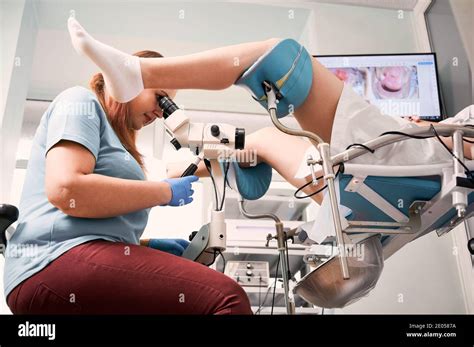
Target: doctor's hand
pixel 181 192
pixel 173 246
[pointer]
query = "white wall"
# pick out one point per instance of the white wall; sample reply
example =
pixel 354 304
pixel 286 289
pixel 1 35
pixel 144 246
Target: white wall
pixel 464 15
pixel 362 30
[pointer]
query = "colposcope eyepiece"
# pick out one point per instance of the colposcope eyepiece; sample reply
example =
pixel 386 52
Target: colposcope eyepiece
pixel 239 138
pixel 167 105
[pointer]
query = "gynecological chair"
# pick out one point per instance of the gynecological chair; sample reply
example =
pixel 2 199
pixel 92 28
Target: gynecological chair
pixel 388 206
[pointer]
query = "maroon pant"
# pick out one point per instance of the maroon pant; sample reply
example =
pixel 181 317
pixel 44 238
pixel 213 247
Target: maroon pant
pixel 102 277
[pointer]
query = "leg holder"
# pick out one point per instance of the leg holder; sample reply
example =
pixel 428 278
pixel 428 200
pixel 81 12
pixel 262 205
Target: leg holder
pixel 288 67
pixel 252 182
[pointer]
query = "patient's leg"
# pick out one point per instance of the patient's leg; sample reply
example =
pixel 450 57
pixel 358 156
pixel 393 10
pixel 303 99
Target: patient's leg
pixel 316 114
pixel 126 75
pixel 284 153
pixel 281 151
pixel 212 69
pixel 215 69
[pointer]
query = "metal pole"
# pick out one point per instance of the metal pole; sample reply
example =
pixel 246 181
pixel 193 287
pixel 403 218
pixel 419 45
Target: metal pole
pixel 281 238
pixel 329 177
pixel 282 248
pixel 459 197
pixel 323 148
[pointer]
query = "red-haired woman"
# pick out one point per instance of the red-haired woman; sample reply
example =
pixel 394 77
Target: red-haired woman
pixel 84 206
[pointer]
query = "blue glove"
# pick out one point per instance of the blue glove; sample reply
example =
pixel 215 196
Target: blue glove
pixel 173 246
pixel 181 190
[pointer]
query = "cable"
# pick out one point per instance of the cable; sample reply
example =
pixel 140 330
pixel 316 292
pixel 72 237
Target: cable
pixel 208 167
pixel 360 145
pixel 264 299
pixel 467 172
pixel 213 260
pixel 290 276
pixel 226 170
pixel 223 259
pixel 432 128
pixel 316 192
pixel 276 280
pixel 422 137
pixel 274 286
pixel 418 137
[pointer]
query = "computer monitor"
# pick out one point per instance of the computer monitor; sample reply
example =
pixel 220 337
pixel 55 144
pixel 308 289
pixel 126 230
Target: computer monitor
pixel 399 84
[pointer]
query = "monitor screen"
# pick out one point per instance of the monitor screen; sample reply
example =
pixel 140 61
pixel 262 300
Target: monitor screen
pixel 399 84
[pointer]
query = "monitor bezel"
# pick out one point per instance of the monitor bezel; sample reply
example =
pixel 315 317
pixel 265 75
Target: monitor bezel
pixel 440 102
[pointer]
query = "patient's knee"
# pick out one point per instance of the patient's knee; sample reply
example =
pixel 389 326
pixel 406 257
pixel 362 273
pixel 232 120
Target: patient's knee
pixel 273 41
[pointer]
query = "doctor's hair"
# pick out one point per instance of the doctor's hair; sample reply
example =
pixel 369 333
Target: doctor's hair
pixel 118 113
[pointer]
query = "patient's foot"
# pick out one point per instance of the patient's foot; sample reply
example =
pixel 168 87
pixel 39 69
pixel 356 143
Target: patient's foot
pixel 122 74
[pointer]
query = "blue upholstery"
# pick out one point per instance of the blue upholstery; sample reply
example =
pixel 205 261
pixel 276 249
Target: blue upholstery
pixel 251 182
pixel 392 189
pixel 288 66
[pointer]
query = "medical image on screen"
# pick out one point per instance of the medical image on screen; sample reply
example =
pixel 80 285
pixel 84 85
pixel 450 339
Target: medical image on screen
pixel 356 77
pixel 385 82
pixel 394 82
pixel 399 85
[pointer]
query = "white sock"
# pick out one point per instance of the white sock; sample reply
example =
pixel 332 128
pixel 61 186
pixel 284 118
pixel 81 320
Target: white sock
pixel 121 71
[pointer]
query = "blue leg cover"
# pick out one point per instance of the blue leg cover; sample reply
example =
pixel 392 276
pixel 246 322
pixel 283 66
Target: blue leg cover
pixel 251 182
pixel 288 67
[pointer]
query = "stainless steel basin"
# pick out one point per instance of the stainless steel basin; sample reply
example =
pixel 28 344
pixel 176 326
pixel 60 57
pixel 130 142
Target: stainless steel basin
pixel 325 286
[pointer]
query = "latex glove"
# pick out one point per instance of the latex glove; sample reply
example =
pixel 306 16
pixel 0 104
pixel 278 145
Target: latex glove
pixel 181 191
pixel 173 246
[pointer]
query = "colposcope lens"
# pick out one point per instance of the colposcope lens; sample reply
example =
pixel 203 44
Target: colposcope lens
pixel 167 105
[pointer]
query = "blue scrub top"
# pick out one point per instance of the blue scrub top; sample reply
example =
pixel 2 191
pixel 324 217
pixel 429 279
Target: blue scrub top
pixel 44 232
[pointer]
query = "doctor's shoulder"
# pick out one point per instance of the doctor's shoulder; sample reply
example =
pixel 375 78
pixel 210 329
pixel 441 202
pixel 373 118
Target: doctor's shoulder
pixel 76 100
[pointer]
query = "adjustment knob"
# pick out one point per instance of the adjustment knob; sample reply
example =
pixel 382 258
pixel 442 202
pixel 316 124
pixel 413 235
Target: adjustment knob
pixel 470 246
pixel 215 131
pixel 249 273
pixel 191 237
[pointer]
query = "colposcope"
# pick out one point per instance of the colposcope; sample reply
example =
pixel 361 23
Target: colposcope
pixel 213 143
